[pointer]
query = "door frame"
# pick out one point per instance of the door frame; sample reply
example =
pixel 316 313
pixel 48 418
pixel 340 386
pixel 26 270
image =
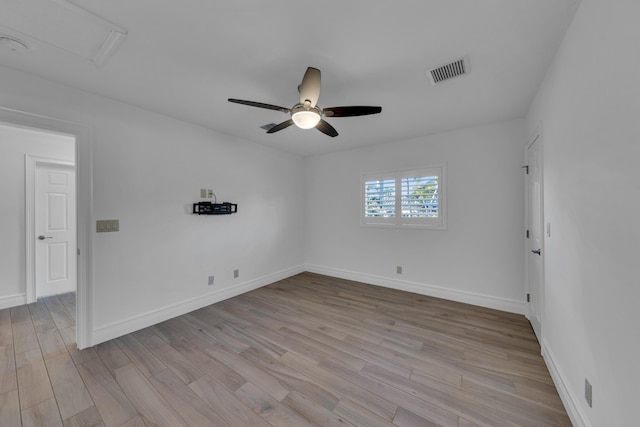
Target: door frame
pixel 31 164
pixel 535 135
pixel 84 203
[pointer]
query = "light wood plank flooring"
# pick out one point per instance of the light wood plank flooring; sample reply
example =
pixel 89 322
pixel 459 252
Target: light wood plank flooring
pixel 310 350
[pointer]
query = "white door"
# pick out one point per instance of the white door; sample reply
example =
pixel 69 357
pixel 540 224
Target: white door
pixel 535 251
pixel 55 226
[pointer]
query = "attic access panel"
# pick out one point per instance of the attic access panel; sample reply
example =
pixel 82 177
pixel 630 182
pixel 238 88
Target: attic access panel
pixel 62 25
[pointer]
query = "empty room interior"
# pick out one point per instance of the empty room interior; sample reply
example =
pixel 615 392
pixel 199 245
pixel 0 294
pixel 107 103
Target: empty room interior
pixel 363 213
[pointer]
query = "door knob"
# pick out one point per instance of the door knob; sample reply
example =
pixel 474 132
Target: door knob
pixel 537 251
pixel 43 237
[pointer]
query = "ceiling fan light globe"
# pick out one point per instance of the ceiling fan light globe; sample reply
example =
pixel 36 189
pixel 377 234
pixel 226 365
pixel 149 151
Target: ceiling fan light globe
pixel 306 119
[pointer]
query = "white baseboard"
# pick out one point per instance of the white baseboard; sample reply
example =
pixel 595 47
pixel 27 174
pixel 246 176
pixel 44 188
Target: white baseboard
pixel 13 301
pixel 132 324
pixel 569 399
pixel 504 304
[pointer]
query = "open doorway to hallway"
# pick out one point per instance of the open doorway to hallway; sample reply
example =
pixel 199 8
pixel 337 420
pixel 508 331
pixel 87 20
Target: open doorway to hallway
pixel 38 255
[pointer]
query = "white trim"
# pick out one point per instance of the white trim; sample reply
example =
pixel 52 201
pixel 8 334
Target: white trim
pixel 30 165
pixel 84 194
pixel 144 320
pixel 498 303
pixel 571 403
pixel 12 301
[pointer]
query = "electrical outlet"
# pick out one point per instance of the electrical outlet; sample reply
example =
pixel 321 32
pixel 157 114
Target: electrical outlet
pixel 236 273
pixel 588 394
pixel 398 269
pixel 210 280
pixel 210 194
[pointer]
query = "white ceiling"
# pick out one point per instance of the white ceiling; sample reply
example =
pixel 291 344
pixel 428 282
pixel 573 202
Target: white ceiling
pixel 185 58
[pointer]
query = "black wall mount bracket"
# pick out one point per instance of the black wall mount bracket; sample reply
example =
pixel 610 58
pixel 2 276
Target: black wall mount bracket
pixel 208 208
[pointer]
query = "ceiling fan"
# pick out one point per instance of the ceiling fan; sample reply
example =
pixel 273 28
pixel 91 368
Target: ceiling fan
pixel 306 114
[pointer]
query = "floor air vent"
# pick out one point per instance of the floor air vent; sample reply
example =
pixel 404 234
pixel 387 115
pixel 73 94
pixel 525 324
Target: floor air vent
pixel 448 71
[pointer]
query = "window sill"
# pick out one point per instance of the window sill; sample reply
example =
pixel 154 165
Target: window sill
pixel 405 226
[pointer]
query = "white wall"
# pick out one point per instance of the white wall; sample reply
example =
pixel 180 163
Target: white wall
pixel 147 171
pixel 478 259
pixel 589 105
pixel 15 143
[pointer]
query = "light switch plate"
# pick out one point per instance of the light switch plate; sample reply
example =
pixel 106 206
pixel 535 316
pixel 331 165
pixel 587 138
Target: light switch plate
pixel 588 393
pixel 107 225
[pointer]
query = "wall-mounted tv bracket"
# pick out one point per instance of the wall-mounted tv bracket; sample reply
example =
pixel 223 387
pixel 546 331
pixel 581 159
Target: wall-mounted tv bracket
pixel 208 208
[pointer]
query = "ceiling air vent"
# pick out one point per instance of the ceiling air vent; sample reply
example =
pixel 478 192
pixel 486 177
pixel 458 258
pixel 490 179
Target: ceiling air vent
pixel 449 71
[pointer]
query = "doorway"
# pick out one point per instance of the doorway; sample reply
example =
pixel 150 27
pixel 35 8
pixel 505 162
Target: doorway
pixel 81 254
pixel 535 234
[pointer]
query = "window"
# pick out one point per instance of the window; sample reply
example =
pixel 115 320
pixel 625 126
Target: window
pixel 413 197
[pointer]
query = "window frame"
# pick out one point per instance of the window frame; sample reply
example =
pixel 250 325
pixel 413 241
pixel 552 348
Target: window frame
pixel 397 220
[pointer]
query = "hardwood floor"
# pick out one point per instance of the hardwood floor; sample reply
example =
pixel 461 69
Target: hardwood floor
pixel 310 350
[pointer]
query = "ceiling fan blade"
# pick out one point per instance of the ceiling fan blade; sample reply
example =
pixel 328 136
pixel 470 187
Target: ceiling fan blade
pixel 259 105
pixel 326 128
pixel 355 110
pixel 281 126
pixel 310 87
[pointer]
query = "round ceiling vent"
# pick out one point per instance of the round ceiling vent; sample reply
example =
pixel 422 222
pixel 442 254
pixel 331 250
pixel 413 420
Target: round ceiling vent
pixel 13 44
